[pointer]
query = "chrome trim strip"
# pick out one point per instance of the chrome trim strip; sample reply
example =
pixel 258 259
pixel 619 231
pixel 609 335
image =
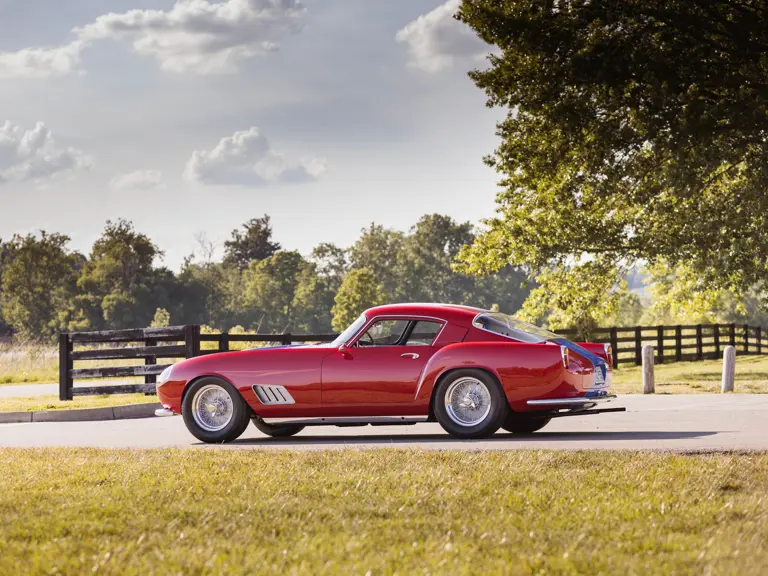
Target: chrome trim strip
pixel 347 420
pixel 571 401
pixel 164 412
pixel 270 395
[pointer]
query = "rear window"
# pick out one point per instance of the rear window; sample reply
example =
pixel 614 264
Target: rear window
pixel 511 327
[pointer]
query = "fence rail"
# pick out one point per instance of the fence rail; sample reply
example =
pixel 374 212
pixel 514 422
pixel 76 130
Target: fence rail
pixel 671 343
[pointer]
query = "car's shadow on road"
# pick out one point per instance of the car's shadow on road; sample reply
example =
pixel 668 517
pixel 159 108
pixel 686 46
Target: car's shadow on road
pixel 503 438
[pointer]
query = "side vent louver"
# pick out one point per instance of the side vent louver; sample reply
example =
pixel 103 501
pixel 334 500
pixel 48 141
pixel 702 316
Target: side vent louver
pixel 273 394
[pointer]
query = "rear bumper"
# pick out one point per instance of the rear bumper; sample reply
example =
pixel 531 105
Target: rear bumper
pixel 565 402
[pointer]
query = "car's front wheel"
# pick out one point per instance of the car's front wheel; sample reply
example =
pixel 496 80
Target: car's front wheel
pixel 214 411
pixel 276 430
pixel 524 423
pixel 470 404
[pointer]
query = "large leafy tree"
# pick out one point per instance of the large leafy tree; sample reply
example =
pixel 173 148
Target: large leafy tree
pixel 39 276
pixel 251 244
pixel 637 130
pixel 318 283
pixel 5 329
pixel 359 291
pixel 269 291
pixel 120 286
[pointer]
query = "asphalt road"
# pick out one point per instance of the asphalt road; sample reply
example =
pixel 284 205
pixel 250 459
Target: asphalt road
pixel 675 423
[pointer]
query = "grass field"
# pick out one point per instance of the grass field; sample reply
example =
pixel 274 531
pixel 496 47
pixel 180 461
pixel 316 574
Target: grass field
pixel 52 402
pixel 692 377
pixel 75 511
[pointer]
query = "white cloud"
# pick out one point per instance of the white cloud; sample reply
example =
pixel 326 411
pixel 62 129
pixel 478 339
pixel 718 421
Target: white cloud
pixel 42 62
pixel 33 154
pixel 436 41
pixel 138 180
pixel 199 36
pixel 246 159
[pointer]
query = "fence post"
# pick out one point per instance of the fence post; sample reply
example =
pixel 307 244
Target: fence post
pixel 638 351
pixel 192 340
pixel 717 340
pixel 660 343
pixel 733 334
pixel 759 338
pixel 746 338
pixel 678 343
pixel 649 386
pixel 729 368
pixel 699 344
pixel 615 346
pixel 65 365
pixel 224 342
pixel 287 339
pixel 150 361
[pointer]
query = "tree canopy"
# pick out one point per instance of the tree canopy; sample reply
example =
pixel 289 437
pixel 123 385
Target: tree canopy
pixel 636 131
pixel 45 287
pixel 252 244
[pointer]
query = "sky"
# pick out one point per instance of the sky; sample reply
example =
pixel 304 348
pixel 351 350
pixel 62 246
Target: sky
pixel 193 116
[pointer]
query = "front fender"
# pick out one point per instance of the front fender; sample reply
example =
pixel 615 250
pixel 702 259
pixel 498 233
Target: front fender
pixel 525 371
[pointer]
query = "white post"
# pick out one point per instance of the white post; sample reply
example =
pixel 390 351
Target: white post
pixel 649 385
pixel 729 368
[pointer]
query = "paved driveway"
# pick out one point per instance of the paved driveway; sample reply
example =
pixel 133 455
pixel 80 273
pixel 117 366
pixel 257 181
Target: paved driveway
pixel 679 423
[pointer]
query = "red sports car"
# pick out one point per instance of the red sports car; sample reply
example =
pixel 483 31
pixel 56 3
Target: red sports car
pixel 473 371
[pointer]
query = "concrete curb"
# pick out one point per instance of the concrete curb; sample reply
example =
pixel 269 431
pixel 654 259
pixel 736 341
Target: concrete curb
pixel 127 412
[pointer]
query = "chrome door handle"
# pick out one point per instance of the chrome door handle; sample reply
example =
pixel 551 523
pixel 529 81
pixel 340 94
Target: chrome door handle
pixel 412 355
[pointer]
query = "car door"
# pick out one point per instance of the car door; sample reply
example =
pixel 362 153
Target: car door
pixel 383 365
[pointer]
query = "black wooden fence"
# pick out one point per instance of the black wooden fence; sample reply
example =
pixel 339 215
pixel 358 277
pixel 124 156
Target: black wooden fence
pixel 687 342
pixel 149 345
pixel 671 344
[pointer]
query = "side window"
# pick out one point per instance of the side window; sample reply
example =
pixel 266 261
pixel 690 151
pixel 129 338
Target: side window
pixel 384 333
pixel 424 333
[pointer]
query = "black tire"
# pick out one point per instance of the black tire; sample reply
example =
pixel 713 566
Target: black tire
pixel 276 430
pixel 490 423
pixel 241 413
pixel 524 423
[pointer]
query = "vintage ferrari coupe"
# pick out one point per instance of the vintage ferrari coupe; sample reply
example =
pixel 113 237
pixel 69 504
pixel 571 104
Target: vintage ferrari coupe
pixel 473 371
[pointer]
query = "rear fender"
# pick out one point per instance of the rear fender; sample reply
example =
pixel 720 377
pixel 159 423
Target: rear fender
pixel 523 370
pixel 597 350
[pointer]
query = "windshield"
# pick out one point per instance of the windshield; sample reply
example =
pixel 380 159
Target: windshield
pixel 351 331
pixel 511 327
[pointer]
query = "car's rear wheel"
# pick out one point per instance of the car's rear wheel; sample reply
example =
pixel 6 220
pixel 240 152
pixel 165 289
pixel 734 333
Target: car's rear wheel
pixel 214 411
pixel 470 404
pixel 276 430
pixel 518 423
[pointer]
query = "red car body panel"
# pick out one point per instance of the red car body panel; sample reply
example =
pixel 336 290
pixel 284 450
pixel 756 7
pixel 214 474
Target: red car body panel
pixel 329 381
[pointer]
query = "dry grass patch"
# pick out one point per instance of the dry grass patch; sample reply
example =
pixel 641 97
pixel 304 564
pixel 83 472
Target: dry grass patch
pixel 214 511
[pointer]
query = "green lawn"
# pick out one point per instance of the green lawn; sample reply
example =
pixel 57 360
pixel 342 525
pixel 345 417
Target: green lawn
pixel 692 377
pixel 218 511
pixel 52 402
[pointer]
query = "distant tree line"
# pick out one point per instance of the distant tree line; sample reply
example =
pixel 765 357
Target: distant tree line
pixel 46 288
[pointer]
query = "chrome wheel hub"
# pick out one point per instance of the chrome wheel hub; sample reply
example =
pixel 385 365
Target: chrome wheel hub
pixel 212 408
pixel 467 401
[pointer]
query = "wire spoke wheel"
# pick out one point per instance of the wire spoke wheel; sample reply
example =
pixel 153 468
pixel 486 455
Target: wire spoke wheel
pixel 467 401
pixel 212 408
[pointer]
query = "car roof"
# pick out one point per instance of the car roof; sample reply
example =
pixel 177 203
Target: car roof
pixel 449 312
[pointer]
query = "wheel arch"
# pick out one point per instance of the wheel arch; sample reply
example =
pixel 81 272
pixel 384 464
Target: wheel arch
pixel 189 384
pixel 445 374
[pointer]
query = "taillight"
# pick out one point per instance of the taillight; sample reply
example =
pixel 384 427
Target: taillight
pixel 564 354
pixel 609 354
